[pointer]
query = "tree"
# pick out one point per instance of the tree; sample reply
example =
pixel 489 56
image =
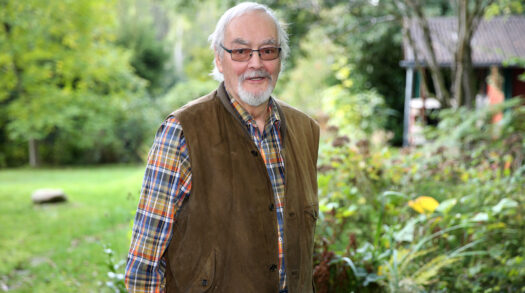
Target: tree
pixel 142 28
pixel 62 76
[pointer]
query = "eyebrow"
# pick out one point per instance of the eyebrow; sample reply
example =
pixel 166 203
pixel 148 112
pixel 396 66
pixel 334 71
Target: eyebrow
pixel 244 42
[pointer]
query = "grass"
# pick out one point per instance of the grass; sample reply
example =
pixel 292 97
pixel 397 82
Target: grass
pixel 60 247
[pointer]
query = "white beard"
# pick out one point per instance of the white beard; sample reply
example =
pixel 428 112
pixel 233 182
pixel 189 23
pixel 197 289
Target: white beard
pixel 254 99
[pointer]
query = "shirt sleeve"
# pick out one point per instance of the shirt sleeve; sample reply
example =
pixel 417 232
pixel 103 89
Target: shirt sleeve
pixel 167 182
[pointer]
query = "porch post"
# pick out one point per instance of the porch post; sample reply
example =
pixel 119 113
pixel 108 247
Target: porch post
pixel 408 97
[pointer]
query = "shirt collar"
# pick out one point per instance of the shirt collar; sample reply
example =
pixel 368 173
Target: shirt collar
pixel 273 117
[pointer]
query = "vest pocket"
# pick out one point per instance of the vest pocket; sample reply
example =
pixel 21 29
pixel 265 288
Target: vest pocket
pixel 205 277
pixel 313 211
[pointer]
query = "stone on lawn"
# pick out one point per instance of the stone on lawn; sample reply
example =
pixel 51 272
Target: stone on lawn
pixel 41 196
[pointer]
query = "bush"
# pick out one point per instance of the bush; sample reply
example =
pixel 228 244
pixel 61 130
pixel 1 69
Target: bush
pixel 183 92
pixel 445 217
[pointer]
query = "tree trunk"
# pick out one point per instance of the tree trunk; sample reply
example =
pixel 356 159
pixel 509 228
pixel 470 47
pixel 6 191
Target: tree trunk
pixel 459 55
pixel 468 21
pixel 34 160
pixel 438 80
pixel 468 80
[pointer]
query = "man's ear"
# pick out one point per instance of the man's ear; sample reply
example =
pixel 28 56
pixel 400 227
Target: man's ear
pixel 218 61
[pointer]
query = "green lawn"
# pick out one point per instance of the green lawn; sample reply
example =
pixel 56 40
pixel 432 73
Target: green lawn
pixel 60 247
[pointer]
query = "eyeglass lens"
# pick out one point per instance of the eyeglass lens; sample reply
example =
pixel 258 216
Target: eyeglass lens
pixel 244 54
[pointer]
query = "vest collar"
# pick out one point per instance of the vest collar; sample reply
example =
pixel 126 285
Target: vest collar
pixel 225 98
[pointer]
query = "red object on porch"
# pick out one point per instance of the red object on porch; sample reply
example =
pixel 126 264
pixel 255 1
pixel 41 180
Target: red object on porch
pixel 495 97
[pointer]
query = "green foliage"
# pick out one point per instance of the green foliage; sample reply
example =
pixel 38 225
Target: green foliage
pixel 324 85
pixel 367 34
pixel 124 131
pixel 302 17
pixel 373 235
pixel 356 113
pixel 184 92
pixel 115 275
pixel 472 137
pixel 371 38
pixel 199 65
pixel 66 83
pixel 359 114
pixel 303 85
pixel 187 27
pixel 504 7
pixel 150 57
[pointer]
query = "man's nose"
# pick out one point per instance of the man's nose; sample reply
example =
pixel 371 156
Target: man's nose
pixel 255 61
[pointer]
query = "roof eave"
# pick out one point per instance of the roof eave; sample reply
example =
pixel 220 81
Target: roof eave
pixel 412 64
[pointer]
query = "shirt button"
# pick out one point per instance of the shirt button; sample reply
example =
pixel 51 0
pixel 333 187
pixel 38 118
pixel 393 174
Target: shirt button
pixel 271 207
pixel 254 153
pixel 273 268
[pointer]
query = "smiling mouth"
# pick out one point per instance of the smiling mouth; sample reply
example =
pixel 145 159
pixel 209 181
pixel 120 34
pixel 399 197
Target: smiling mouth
pixel 256 78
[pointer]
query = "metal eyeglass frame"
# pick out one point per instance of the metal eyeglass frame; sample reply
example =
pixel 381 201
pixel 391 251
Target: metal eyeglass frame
pixel 251 53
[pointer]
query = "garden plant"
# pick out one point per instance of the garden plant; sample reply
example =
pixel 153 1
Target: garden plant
pixel 444 217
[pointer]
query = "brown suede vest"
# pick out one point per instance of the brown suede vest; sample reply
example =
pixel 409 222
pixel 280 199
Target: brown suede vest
pixel 225 235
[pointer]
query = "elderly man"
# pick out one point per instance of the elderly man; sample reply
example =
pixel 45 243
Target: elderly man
pixel 229 198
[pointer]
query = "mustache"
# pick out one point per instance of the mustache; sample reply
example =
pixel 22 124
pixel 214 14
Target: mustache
pixel 255 74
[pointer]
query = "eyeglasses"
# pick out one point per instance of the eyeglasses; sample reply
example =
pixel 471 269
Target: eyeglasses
pixel 244 54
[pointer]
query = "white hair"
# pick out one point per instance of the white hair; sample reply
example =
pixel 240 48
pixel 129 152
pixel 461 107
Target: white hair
pixel 217 37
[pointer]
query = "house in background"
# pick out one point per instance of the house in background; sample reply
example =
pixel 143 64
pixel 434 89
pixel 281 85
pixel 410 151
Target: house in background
pixel 496 41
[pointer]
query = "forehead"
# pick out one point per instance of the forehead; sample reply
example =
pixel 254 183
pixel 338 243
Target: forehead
pixel 251 28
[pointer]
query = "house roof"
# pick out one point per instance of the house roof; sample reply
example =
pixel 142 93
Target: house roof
pixel 495 41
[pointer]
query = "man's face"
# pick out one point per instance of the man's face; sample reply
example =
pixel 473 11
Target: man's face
pixel 250 82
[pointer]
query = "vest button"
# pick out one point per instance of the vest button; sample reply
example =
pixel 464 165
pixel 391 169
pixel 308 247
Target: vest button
pixel 271 207
pixel 291 214
pixel 273 268
pixel 204 283
pixel 254 153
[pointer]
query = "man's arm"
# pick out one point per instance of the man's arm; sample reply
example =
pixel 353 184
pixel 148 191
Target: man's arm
pixel 167 182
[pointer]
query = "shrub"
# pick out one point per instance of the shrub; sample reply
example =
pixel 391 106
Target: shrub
pixel 444 217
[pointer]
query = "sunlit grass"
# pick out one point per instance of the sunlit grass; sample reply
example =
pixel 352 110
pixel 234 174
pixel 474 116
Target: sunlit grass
pixel 59 248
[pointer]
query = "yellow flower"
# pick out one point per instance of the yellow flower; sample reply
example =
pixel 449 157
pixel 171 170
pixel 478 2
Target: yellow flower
pixel 380 270
pixel 424 204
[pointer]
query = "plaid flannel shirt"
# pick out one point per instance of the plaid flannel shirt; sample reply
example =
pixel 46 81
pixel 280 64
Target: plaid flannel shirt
pixel 167 183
